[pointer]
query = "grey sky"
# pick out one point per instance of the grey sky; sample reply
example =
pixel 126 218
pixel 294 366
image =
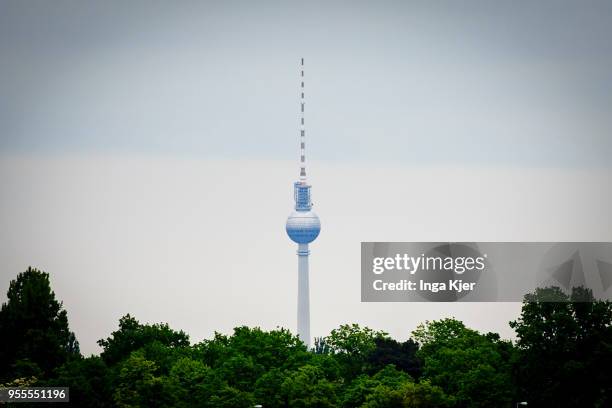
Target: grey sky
pixel 413 82
pixel 147 149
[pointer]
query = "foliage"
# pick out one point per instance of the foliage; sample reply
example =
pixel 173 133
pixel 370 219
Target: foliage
pixel 268 388
pixel 565 345
pixel 401 355
pixel 87 379
pixel 351 339
pixel 307 387
pixel 132 336
pixel 353 345
pixel 393 388
pixel 190 382
pixel 474 368
pixel 139 384
pixel 34 333
pixel 229 397
pixel 276 348
pixel 364 386
pixel 562 358
pixel 409 395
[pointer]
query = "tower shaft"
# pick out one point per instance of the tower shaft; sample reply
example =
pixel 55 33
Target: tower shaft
pixel 303 312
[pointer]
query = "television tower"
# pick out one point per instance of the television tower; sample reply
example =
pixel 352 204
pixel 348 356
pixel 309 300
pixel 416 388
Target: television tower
pixel 303 227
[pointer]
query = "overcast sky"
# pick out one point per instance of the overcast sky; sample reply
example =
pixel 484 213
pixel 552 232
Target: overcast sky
pixel 147 149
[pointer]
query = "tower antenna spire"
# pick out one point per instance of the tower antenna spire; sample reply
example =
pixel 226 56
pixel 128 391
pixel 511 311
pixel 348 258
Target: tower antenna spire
pixel 302 128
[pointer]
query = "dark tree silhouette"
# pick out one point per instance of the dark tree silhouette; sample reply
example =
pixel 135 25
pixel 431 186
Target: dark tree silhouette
pixel 565 349
pixel 401 355
pixel 34 333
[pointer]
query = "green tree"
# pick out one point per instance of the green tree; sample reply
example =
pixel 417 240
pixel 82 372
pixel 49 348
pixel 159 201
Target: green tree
pixel 402 355
pixel 240 372
pixel 267 349
pixel 364 385
pixel 308 388
pixel 229 397
pixel 474 368
pixel 329 366
pixel 408 395
pixel 190 383
pixel 88 380
pixel 351 339
pixel 139 385
pixel 34 333
pixel 353 345
pixel 565 349
pixel 268 389
pixel 133 336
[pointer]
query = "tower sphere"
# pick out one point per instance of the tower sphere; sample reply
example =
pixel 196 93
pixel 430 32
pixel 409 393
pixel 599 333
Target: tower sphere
pixel 303 227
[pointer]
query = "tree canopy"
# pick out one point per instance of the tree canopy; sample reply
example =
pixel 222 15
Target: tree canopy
pixel 564 349
pixel 34 333
pixel 473 367
pixel 561 357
